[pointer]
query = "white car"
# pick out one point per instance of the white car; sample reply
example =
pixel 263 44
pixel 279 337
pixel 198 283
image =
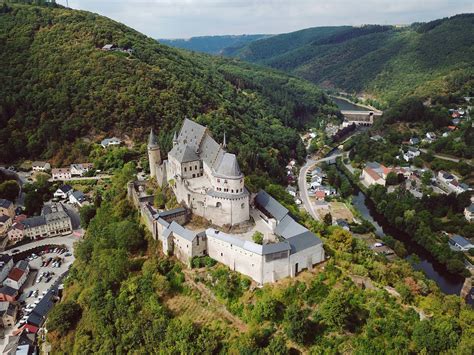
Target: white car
pixel 378 245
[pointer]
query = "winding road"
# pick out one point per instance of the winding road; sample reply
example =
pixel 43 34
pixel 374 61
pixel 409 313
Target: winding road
pixel 303 185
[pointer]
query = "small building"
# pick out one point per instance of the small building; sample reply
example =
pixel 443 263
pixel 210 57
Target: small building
pixel 18 275
pixel 319 195
pixel 77 198
pixel 40 166
pixel 63 191
pixel 8 311
pixel 81 169
pixel 16 232
pixel 110 142
pixel 460 243
pixel 469 212
pixel 23 343
pixel 291 190
pixel 5 223
pixel 414 141
pixel 8 294
pixel 7 207
pixel 61 174
pixel 410 154
pixel 431 136
pixel 109 47
pixel 6 264
pixel 54 221
pixel 374 173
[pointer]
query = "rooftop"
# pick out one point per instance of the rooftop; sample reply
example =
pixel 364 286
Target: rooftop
pixel 5 203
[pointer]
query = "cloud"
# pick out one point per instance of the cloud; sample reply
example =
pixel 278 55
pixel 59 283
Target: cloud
pixel 186 18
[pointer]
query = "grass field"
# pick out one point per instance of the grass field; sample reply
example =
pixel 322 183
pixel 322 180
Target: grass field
pixel 339 210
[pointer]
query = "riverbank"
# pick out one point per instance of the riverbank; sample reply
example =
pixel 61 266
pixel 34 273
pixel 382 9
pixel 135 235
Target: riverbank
pixel 449 283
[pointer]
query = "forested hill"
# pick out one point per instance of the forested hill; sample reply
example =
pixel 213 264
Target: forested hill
pixel 58 85
pixel 212 44
pixel 388 62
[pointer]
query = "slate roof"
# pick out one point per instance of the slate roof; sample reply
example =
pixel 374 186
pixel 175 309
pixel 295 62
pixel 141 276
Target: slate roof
pixel 4 218
pixel 33 222
pixel 185 154
pixel 470 208
pixel 79 196
pixel 39 313
pixel 228 166
pixel 179 230
pixel 4 259
pixel 65 188
pixel 288 228
pixel 152 141
pixel 272 206
pixel 7 290
pixel 463 242
pixel 5 203
pixel 171 212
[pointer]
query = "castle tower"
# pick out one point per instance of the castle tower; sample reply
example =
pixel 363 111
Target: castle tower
pixel 175 139
pixel 154 154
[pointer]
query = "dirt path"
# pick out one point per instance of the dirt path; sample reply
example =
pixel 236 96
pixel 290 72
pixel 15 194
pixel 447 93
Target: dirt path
pixel 221 309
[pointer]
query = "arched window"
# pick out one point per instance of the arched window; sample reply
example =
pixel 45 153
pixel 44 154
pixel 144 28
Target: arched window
pixel 242 205
pixel 218 204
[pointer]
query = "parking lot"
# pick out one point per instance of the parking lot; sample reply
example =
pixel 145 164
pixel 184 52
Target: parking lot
pixel 45 270
pixel 39 270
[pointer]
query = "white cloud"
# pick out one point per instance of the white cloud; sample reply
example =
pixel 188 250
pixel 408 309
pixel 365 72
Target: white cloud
pixel 186 18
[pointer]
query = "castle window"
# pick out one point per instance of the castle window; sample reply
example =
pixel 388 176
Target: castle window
pixel 195 167
pixel 242 206
pixel 218 180
pixel 194 175
pixel 218 204
pixel 190 168
pixel 222 254
pixel 232 190
pixel 184 169
pixel 225 181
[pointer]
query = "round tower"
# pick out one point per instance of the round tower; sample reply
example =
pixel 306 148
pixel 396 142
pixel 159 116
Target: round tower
pixel 154 154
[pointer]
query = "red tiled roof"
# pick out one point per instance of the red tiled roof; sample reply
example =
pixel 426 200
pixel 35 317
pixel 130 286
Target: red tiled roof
pixel 15 274
pixel 320 194
pixel 372 174
pixel 20 218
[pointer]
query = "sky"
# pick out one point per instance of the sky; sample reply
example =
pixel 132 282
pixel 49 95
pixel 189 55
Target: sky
pixel 189 18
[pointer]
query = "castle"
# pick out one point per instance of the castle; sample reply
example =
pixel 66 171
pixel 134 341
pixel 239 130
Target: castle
pixel 207 182
pixel 203 176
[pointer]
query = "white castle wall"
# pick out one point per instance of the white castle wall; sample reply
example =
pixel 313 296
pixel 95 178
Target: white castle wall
pixel 306 258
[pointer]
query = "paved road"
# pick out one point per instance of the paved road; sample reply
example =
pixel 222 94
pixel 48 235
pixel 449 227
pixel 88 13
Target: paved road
pixel 79 178
pixel 303 185
pixel 446 157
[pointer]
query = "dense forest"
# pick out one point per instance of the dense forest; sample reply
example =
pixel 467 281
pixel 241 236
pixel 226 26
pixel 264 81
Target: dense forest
pixel 123 296
pixel 58 85
pixel 212 44
pixel 388 62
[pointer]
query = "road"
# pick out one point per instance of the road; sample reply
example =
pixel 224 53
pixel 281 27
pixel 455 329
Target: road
pixel 446 157
pixel 79 178
pixel 303 185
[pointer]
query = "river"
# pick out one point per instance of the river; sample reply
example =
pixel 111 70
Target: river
pixel 448 283
pixel 346 105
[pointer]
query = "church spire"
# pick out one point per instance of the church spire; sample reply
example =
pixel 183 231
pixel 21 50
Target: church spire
pixel 152 142
pixel 224 142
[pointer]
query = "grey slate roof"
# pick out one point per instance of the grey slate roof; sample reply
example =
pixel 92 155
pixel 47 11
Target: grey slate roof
pixel 171 212
pixel 463 242
pixel 79 196
pixel 228 166
pixel 4 218
pixel 303 241
pixel 33 222
pixel 288 228
pixel 271 205
pixel 152 142
pixel 179 230
pixel 22 265
pixel 163 222
pixel 65 188
pixel 5 203
pixel 211 151
pixel 7 290
pixel 470 208
pixel 39 313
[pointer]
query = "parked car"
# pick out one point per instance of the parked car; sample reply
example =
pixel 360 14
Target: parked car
pixel 29 294
pixel 15 250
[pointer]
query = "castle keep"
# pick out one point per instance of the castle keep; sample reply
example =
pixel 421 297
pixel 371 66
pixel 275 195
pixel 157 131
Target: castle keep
pixel 207 182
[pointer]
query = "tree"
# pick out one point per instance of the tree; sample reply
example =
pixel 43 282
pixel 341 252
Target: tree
pixel 426 177
pixel 87 213
pixel 327 219
pixel 337 308
pixel 257 237
pixel 33 202
pixel 341 240
pixel 9 190
pixel 64 317
pixel 392 178
pixel 296 323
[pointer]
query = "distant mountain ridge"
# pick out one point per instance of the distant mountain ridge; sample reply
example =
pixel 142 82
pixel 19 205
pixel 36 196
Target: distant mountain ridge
pixel 212 44
pixel 386 62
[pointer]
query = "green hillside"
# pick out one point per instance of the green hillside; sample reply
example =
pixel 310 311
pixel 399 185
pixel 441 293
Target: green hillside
pixel 58 85
pixel 211 44
pixel 387 62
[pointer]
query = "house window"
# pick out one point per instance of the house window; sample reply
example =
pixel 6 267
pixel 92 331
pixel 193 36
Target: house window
pixel 218 204
pixel 222 254
pixel 195 167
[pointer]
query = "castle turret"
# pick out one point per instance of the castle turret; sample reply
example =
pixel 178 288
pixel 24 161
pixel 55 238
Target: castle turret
pixel 154 154
pixel 175 139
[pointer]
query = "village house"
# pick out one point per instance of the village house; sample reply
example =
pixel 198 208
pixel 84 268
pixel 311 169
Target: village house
pixel 458 187
pixel 5 223
pixel 374 173
pixel 414 141
pixel 54 221
pixel 6 264
pixel 81 169
pixel 109 47
pixel 469 212
pixel 63 192
pixel 410 154
pixel 7 208
pixel 8 312
pixel 77 198
pixel 110 142
pixel 460 243
pixel 40 166
pixel 61 174
pixel 8 294
pixel 431 136
pixel 319 195
pixel 16 232
pixel 18 275
pixel 342 223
